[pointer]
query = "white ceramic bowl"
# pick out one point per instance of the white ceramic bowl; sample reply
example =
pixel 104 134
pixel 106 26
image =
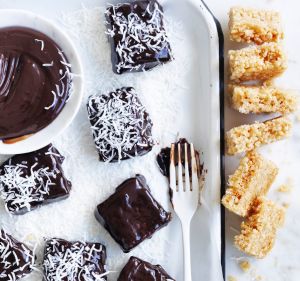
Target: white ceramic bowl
pixel 63 120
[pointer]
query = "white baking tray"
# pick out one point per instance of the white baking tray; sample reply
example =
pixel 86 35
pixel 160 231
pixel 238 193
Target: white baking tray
pixel 182 98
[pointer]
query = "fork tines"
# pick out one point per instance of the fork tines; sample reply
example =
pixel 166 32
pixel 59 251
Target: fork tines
pixel 186 178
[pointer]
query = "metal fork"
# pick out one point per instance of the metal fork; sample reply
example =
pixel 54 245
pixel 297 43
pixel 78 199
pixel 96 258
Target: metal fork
pixel 185 197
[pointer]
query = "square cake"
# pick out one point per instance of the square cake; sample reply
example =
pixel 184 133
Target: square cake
pixel 252 25
pixel 262 62
pixel 16 259
pixel 76 261
pixel 121 126
pixel 131 214
pixel 137 270
pixel 262 99
pixel 248 137
pixel 137 36
pixel 258 232
pixel 30 180
pixel 252 178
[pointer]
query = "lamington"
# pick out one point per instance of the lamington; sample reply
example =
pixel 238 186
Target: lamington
pixel 132 214
pixel 252 179
pixel 262 99
pixel 248 137
pixel 76 261
pixel 120 124
pixel 137 36
pixel 16 259
pixel 137 270
pixel 262 62
pixel 254 26
pixel 30 180
pixel 258 232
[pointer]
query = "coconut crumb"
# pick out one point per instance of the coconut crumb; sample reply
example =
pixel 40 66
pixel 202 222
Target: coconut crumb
pixel 285 205
pixel 231 278
pixel 284 188
pixel 245 265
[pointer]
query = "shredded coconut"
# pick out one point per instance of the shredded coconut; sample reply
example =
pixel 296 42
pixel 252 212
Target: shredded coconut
pixel 13 268
pixel 120 124
pixel 140 36
pixel 73 261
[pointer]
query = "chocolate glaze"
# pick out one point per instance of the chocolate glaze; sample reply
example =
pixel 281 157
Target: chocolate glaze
pixel 163 158
pixel 63 254
pixel 143 141
pixel 137 269
pixel 131 214
pixel 26 85
pixel 144 58
pixel 46 158
pixel 9 268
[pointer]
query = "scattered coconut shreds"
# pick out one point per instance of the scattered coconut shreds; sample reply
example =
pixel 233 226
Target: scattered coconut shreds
pixel 120 124
pixel 138 34
pixel 65 85
pixel 41 42
pixel 22 189
pixel 245 265
pixel 162 92
pixel 16 260
pixel 74 260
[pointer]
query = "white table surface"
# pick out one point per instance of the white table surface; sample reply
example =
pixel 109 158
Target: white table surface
pixel 284 261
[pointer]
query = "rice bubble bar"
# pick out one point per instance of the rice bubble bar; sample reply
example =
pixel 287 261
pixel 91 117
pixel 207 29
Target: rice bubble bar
pixel 259 230
pixel 254 26
pixel 262 62
pixel 262 99
pixel 248 137
pixel 253 178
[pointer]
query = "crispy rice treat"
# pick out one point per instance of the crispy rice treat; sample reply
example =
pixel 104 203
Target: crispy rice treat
pixel 253 178
pixel 248 137
pixel 257 26
pixel 258 232
pixel 257 62
pixel 261 99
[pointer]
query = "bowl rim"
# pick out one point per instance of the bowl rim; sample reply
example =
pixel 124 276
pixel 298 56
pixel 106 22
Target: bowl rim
pixel 41 137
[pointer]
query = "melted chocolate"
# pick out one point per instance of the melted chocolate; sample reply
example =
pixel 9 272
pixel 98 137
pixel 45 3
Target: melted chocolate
pixel 30 180
pixel 76 261
pixel 137 36
pixel 35 81
pixel 163 158
pixel 131 214
pixel 16 260
pixel 137 269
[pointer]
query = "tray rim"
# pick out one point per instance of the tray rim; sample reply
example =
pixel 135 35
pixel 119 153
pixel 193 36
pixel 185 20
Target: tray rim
pixel 220 35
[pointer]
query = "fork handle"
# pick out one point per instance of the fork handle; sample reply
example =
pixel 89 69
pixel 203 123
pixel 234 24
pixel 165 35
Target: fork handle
pixel 186 235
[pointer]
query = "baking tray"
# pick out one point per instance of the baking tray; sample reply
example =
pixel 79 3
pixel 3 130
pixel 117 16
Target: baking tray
pixel 183 99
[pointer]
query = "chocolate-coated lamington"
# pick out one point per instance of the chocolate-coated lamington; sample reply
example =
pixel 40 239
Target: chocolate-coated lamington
pixel 76 261
pixel 120 124
pixel 16 259
pixel 137 35
pixel 30 180
pixel 131 214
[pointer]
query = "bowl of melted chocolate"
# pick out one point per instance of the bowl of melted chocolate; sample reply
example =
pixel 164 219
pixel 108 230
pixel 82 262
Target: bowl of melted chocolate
pixel 40 82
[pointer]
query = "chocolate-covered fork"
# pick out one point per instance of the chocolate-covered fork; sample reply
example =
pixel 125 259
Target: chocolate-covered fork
pixel 185 184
